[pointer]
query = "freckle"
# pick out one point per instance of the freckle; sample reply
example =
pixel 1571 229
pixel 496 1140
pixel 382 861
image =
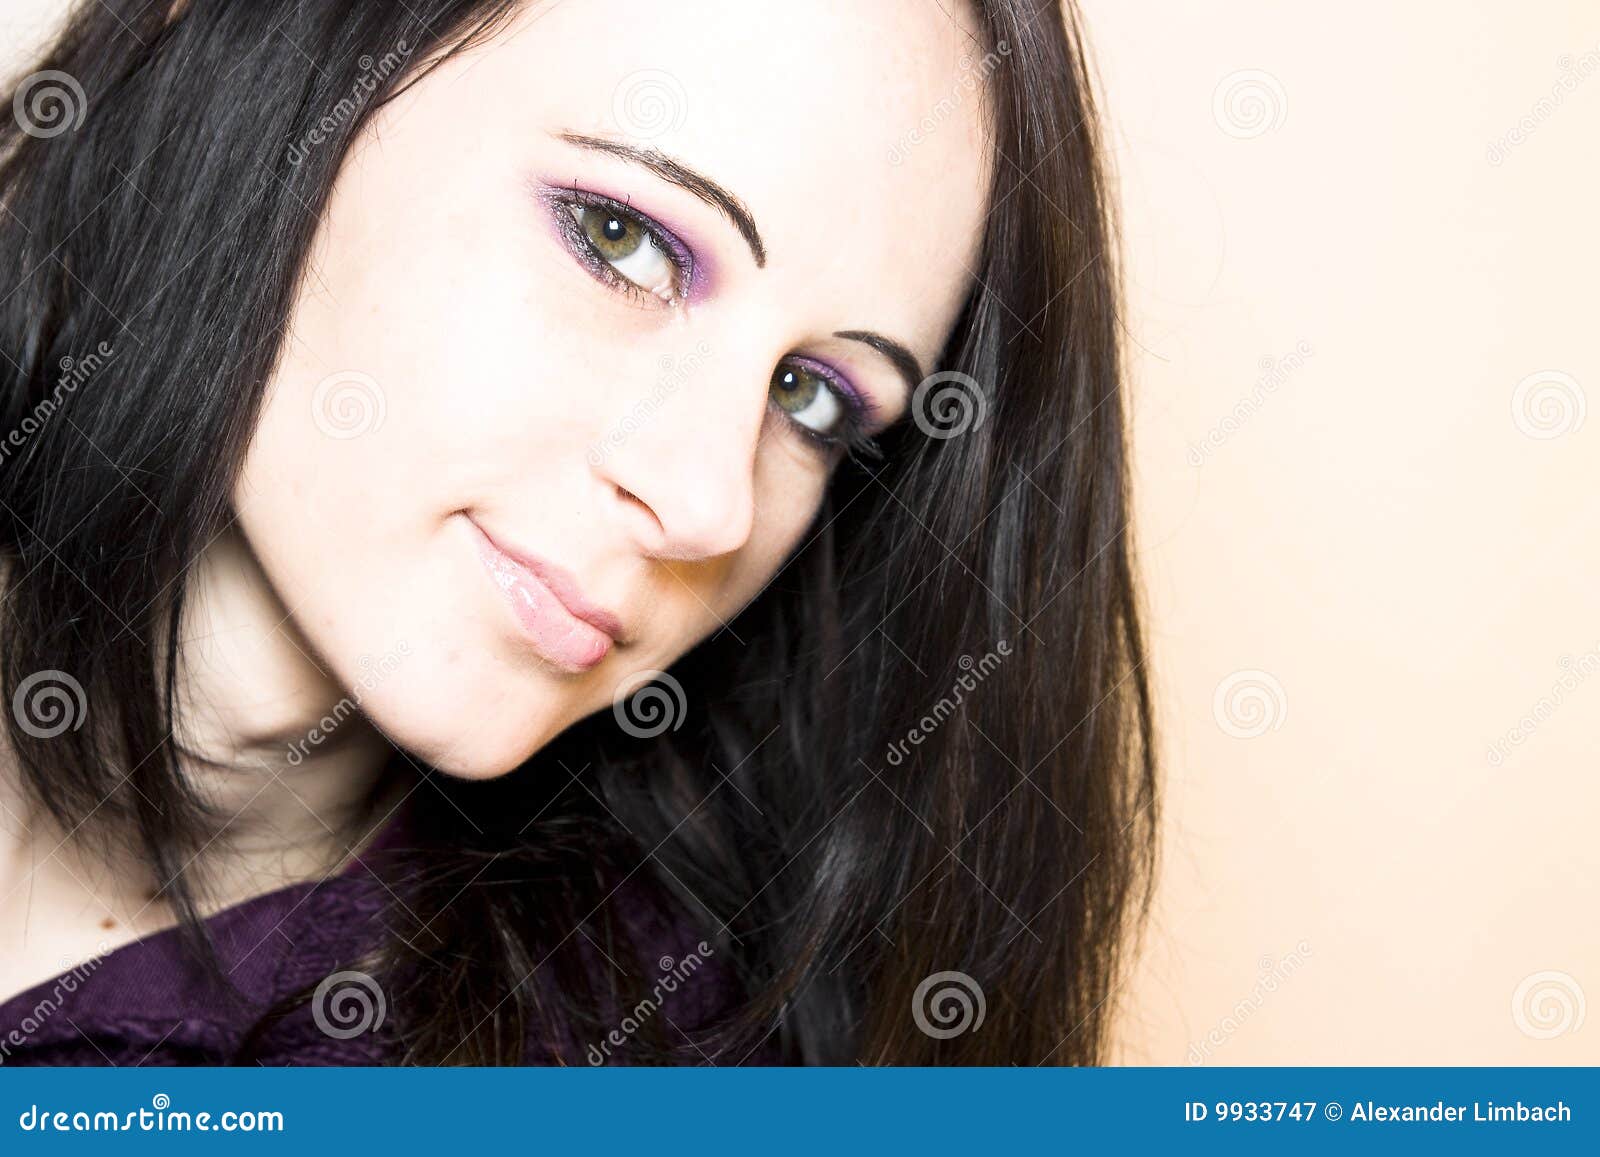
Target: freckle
pixel 108 923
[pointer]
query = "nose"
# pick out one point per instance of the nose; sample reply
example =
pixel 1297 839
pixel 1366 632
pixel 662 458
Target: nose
pixel 681 461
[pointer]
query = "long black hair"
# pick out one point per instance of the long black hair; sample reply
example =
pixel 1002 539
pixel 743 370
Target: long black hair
pixel 924 749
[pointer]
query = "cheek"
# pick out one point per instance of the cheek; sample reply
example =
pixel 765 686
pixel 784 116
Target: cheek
pixel 412 386
pixel 439 331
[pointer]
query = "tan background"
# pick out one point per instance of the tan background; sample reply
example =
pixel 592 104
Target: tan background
pixel 1400 567
pixel 1363 252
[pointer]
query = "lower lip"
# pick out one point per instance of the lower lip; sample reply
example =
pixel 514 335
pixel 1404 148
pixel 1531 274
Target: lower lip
pixel 556 635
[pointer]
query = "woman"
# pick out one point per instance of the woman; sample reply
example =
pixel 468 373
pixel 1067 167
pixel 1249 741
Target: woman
pixel 584 531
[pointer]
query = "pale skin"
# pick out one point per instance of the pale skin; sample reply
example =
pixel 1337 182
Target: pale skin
pixel 502 363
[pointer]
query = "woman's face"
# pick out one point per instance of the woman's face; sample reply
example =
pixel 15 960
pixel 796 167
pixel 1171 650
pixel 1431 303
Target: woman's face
pixel 571 334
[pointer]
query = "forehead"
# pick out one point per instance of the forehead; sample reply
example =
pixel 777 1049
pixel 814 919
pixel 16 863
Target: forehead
pixel 855 132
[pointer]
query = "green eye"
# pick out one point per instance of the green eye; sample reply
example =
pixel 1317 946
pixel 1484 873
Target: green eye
pixel 622 244
pixel 794 388
pixel 612 237
pixel 807 397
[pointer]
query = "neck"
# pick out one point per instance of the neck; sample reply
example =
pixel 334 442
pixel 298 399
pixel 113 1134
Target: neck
pixel 292 772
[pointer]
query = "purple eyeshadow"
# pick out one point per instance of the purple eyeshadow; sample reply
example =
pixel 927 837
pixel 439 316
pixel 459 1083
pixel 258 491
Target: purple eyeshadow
pixel 695 270
pixel 865 408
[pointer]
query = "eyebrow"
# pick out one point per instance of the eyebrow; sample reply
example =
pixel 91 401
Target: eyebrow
pixel 684 177
pixel 671 169
pixel 901 358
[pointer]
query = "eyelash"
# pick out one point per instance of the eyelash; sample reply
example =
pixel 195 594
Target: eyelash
pixel 854 440
pixel 682 258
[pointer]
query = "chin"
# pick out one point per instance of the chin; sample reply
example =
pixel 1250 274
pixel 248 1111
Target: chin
pixel 467 728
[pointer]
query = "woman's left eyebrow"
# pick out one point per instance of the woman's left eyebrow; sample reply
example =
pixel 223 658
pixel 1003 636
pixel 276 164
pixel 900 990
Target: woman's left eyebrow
pixel 670 169
pixel 903 360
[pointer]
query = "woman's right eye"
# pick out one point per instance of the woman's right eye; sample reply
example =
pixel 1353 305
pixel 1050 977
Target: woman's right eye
pixel 625 250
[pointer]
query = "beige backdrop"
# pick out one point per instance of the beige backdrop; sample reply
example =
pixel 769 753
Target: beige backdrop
pixel 1363 247
pixel 1363 250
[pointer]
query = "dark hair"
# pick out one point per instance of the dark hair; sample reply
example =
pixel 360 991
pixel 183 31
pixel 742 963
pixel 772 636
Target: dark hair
pixel 910 822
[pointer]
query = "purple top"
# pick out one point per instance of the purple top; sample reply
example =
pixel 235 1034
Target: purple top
pixel 148 1003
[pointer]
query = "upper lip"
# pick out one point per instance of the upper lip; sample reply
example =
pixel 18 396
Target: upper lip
pixel 564 585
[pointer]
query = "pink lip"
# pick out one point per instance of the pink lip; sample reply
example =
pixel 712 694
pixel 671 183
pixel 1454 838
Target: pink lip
pixel 565 628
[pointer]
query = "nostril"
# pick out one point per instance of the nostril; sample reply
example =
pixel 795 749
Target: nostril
pixel 631 500
pixel 647 531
